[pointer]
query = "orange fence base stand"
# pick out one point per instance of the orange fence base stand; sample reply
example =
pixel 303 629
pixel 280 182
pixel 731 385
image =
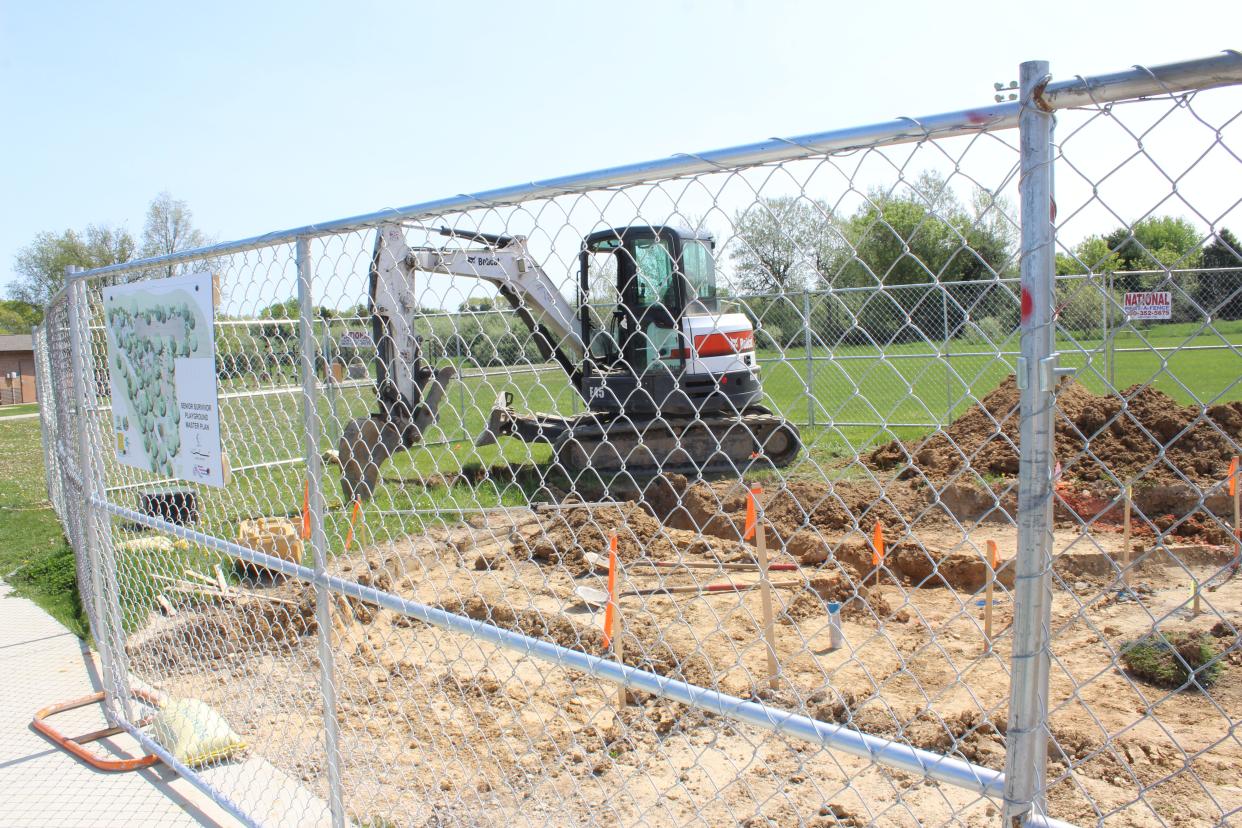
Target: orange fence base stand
pixel 75 744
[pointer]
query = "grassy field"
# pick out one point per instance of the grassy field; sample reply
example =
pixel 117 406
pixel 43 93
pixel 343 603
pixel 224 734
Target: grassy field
pixel 855 397
pixel 15 410
pixel 35 559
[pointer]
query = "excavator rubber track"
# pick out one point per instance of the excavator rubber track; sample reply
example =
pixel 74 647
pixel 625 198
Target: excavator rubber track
pixel 707 444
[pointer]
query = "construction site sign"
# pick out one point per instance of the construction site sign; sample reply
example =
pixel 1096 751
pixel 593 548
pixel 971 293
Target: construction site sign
pixel 162 371
pixel 1149 304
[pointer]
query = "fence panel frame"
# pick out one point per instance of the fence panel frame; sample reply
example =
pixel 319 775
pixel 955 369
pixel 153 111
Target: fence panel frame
pixel 1028 689
pixel 1021 785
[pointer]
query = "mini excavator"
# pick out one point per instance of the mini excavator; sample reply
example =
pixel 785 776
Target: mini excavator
pixel 670 383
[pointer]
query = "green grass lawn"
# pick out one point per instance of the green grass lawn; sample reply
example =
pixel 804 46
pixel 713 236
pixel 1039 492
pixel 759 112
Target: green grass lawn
pixel 845 402
pixel 858 398
pixel 21 408
pixel 35 558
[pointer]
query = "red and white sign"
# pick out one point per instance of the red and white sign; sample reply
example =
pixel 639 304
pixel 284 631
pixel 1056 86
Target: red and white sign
pixel 727 342
pixel 1150 304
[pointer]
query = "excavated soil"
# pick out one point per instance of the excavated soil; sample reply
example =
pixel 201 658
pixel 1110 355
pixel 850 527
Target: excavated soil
pixel 1122 434
pixel 204 630
pixel 462 732
pixel 440 729
pixel 1098 438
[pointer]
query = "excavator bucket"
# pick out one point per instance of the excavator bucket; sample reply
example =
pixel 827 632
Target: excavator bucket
pixel 367 442
pixel 500 423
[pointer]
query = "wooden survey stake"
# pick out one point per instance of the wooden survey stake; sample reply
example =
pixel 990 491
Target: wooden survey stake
pixel 877 551
pixel 1125 539
pixel 306 517
pixel 611 609
pixel 618 642
pixel 989 591
pixel 613 638
pixel 765 584
pixel 1237 524
pixel 353 519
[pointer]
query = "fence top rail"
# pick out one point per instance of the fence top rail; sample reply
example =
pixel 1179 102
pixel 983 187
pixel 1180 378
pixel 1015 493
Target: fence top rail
pixel 1201 73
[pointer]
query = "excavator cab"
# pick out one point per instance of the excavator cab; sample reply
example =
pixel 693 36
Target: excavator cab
pixel 648 314
pixel 642 278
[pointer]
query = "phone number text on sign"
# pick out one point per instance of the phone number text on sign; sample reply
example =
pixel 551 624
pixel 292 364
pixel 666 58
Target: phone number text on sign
pixel 1150 304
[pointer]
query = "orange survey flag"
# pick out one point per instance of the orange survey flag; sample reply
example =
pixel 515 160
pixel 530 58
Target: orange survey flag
pixel 751 512
pixel 353 518
pixel 1233 476
pixel 610 611
pixel 993 554
pixel 877 545
pixel 306 521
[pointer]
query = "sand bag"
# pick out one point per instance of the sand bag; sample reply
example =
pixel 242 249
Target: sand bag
pixel 194 733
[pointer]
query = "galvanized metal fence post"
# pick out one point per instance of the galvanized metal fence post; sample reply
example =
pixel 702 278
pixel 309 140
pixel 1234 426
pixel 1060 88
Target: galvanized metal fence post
pixel 1037 373
pixel 318 539
pixel 810 357
pixel 46 408
pixel 88 538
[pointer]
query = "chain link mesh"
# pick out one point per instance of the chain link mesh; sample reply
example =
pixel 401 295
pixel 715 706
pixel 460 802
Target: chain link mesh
pixel 437 663
pixel 1144 622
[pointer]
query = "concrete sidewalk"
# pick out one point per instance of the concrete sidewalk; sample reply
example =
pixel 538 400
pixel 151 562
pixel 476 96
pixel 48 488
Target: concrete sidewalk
pixel 42 663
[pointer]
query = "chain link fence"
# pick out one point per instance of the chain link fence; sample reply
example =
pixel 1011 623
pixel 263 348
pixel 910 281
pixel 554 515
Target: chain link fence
pixel 978 589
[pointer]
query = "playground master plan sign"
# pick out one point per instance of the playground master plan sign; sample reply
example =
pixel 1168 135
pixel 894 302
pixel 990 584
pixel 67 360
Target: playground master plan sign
pixel 162 365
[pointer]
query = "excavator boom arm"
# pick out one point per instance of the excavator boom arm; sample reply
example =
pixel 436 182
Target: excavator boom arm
pixel 409 391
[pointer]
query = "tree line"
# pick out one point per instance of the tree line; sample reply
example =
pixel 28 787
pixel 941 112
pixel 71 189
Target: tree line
pixel 940 262
pixel 168 227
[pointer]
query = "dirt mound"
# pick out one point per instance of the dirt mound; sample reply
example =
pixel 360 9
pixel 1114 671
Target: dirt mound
pixel 646 646
pixel 719 509
pixel 1122 433
pixel 545 626
pixel 968 733
pixel 242 627
pixel 856 601
pixel 564 536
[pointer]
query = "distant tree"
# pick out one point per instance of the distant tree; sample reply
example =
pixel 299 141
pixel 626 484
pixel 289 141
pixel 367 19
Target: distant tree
pixel 18 317
pixel 41 265
pixel 780 243
pixel 169 229
pixel 287 309
pixel 1220 291
pixel 1150 244
pixel 1153 244
pixel 477 305
pixel 920 236
pixel 1159 241
pixel 1091 255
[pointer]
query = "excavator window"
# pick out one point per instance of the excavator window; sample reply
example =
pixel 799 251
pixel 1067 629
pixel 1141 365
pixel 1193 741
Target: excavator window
pixel 601 302
pixel 655 273
pixel 697 263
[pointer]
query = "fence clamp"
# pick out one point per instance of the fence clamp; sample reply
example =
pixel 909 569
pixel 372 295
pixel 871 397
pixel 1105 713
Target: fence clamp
pixel 1050 372
pixel 1019 373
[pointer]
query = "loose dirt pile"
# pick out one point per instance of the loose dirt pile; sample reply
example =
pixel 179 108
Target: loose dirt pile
pixel 242 627
pixel 1121 433
pixel 719 509
pixel 828 525
pixel 561 538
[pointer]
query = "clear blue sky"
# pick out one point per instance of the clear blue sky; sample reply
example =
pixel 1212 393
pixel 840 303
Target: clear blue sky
pixel 267 115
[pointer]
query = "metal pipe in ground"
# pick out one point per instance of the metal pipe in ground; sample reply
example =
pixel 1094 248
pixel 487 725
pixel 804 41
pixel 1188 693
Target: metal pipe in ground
pixel 318 540
pixel 1027 734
